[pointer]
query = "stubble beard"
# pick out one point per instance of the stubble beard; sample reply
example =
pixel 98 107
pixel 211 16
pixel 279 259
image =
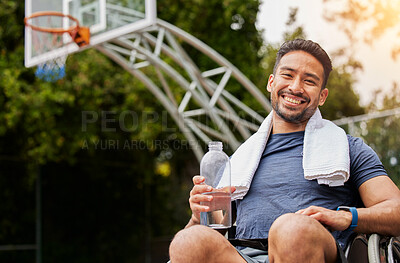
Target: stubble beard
pixel 300 117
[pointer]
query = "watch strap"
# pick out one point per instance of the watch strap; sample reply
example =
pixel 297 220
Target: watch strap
pixel 354 213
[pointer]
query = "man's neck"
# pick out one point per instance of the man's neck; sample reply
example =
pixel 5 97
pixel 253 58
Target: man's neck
pixel 281 126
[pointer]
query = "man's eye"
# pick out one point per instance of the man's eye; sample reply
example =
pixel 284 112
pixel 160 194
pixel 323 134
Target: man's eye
pixel 287 75
pixel 310 81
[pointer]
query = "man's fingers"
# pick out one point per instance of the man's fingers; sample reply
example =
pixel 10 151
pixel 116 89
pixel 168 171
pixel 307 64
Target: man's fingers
pixel 300 212
pixel 197 179
pixel 310 210
pixel 200 198
pixel 200 188
pixel 233 189
pixel 197 195
pixel 196 208
pixel 318 216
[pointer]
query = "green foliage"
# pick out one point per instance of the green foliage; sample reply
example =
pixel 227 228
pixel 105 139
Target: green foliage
pixel 342 100
pixel 42 125
pixel 97 193
pixel 382 133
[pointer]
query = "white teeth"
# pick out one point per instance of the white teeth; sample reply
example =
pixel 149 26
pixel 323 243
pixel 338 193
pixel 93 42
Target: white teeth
pixel 292 100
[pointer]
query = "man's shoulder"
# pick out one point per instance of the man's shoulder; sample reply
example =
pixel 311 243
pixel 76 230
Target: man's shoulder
pixel 360 152
pixel 355 141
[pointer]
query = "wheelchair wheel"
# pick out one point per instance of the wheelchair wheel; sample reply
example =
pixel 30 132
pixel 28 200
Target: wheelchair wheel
pixel 357 250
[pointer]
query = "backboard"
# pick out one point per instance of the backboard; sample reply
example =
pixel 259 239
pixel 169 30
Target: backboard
pixel 107 19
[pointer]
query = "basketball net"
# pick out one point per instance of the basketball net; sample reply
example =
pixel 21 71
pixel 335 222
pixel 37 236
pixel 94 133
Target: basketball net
pixel 51 31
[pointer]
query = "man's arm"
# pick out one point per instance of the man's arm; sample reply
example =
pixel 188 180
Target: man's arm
pixel 381 198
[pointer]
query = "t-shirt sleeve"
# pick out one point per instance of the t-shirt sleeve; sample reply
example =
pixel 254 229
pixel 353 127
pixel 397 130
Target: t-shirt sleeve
pixel 364 162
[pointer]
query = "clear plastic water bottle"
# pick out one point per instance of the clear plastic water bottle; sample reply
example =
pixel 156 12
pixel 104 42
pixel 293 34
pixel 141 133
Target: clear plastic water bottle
pixel 216 169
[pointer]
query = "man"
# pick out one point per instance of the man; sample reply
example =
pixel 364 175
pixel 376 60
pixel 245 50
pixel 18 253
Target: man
pixel 298 216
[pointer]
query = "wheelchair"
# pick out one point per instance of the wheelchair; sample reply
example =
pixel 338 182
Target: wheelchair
pixel 373 248
pixel 383 249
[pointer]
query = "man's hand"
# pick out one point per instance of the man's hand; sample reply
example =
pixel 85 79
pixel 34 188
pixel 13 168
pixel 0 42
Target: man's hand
pixel 196 196
pixel 333 220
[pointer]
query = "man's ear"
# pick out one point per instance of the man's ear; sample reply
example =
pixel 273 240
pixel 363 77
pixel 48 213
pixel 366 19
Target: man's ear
pixel 322 96
pixel 269 84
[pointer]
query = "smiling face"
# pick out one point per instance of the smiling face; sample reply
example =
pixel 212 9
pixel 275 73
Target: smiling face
pixel 296 87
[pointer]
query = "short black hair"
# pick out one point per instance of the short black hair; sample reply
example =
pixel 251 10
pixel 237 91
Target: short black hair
pixel 310 47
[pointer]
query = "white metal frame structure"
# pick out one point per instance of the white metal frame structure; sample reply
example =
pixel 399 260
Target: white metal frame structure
pixel 350 121
pixel 154 52
pixel 150 47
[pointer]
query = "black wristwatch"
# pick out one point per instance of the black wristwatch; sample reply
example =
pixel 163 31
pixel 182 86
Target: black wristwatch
pixel 354 214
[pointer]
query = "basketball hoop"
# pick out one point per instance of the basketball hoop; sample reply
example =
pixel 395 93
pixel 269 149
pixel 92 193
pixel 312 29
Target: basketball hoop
pixel 50 31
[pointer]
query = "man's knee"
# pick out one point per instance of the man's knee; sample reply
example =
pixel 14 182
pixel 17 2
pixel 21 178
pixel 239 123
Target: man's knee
pixel 298 235
pixel 187 236
pixel 293 232
pixel 293 227
pixel 192 241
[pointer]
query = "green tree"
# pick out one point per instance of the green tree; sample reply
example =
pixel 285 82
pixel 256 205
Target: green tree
pixel 102 203
pixel 381 133
pixel 42 129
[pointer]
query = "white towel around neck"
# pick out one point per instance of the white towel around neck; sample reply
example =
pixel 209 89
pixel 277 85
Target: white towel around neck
pixel 325 154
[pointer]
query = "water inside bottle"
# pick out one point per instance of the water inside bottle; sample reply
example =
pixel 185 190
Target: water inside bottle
pixel 219 216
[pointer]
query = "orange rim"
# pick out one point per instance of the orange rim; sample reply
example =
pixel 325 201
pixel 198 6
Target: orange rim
pixel 52 30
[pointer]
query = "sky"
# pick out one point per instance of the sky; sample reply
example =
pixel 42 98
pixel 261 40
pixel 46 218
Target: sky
pixel 380 71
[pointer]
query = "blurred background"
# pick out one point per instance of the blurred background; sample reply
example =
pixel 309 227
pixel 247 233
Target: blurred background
pixel 84 193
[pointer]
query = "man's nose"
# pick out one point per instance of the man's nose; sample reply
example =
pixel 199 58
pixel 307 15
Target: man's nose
pixel 296 86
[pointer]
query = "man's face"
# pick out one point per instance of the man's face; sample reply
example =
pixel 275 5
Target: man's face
pixel 296 87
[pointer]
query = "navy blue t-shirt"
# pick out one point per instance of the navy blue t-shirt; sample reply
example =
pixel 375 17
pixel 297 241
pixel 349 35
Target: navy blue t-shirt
pixel 279 186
